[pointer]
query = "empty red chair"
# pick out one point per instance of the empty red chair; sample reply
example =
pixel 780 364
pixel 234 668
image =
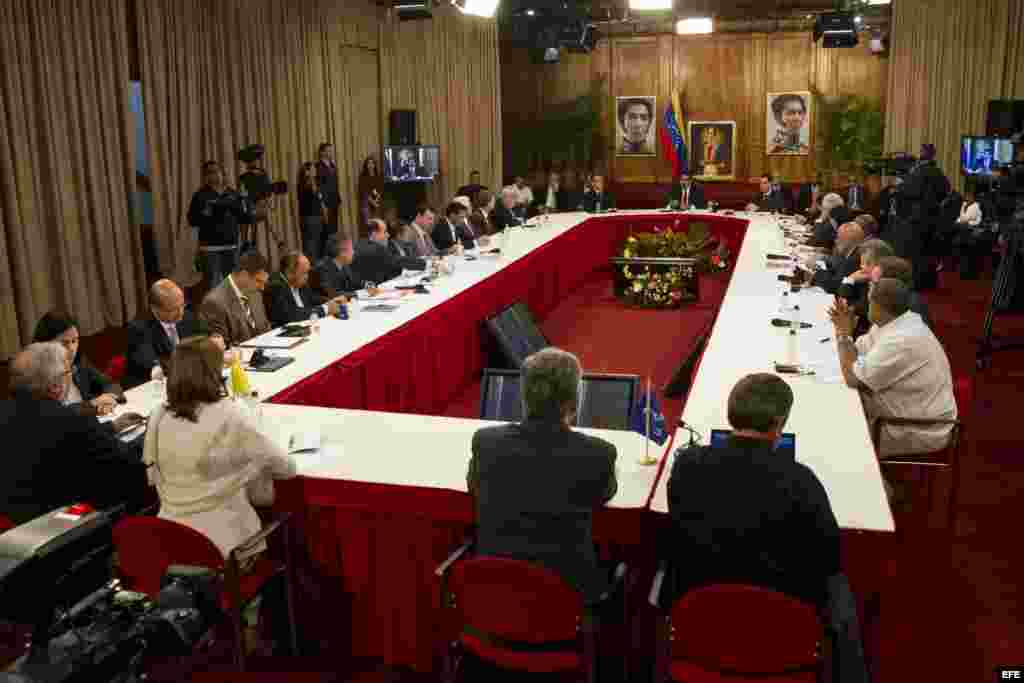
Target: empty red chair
pixel 515 615
pixel 147 546
pixel 730 633
pixel 930 464
pixel 5 524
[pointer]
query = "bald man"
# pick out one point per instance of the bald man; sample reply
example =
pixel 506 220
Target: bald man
pixel 844 260
pixel 152 339
pixel 289 297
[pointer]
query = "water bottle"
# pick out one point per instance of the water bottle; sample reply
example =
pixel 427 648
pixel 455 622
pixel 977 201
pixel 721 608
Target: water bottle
pixel 794 315
pixel 255 407
pixel 314 322
pixel 159 385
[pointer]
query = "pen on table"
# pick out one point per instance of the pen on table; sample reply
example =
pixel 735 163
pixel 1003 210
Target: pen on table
pixel 825 339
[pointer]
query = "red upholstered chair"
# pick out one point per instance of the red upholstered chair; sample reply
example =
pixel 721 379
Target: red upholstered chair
pixel 931 464
pixel 5 524
pixel 147 546
pixel 730 633
pixel 115 370
pixel 515 615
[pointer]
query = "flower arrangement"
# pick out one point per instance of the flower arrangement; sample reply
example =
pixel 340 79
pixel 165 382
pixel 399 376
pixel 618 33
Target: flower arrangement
pixel 668 285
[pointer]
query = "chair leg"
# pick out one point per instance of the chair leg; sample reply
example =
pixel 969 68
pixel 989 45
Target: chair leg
pixel 289 594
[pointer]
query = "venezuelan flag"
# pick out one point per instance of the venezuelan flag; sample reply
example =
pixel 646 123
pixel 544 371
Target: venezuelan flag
pixel 673 138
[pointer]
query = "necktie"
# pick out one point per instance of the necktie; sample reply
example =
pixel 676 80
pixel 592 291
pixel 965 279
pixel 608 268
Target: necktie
pixel 172 332
pixel 248 312
pixel 686 198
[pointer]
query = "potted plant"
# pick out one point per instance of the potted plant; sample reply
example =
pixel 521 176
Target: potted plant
pixel 854 128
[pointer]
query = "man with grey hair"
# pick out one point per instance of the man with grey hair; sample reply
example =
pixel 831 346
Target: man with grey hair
pixel 900 367
pixel 508 213
pixel 537 483
pixel 843 261
pixel 854 287
pixel 57 455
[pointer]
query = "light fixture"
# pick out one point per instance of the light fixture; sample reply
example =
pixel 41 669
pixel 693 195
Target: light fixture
pixel 480 8
pixel 650 4
pixel 695 26
pixel 531 12
pixel 879 2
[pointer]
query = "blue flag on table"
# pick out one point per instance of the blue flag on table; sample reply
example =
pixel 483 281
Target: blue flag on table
pixel 638 419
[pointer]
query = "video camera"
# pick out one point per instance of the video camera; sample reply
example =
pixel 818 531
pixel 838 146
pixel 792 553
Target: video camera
pixel 55 574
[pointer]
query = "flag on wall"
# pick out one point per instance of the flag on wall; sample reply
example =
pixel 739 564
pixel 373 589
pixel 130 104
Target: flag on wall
pixel 672 137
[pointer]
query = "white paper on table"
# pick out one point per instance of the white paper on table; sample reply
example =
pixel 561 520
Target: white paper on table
pixel 268 342
pixel 305 442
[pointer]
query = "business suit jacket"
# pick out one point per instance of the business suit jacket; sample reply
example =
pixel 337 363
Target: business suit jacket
pixel 563 200
pixel 481 223
pixel 446 233
pixel 405 255
pixel 697 198
pixel 327 178
pixel 378 263
pixel 742 513
pixel 149 346
pixel 332 280
pixel 422 243
pixel 59 456
pixel 502 218
pixel 826 230
pixel 536 485
pixel 837 267
pixel 591 201
pixel 90 381
pixel 224 314
pixel 775 201
pixel 281 306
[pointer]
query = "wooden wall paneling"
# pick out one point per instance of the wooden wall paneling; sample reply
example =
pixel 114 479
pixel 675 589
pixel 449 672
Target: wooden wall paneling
pixel 603 75
pixel 789 65
pixel 636 73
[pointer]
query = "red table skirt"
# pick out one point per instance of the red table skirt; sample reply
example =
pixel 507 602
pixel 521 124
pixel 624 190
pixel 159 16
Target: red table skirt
pixel 421 366
pixel 380 544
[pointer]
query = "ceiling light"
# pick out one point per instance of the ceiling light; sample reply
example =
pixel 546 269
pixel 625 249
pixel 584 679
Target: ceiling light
pixel 531 12
pixel 879 2
pixel 650 4
pixel 480 8
pixel 695 26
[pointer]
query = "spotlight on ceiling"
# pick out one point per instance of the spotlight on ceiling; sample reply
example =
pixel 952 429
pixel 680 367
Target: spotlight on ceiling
pixel 695 26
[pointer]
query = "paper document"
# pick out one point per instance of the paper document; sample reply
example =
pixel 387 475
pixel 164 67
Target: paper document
pixel 305 442
pixel 272 342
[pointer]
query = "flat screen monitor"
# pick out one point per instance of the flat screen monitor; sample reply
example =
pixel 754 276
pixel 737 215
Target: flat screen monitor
pixel 606 401
pixel 517 333
pixel 411 163
pixel 982 155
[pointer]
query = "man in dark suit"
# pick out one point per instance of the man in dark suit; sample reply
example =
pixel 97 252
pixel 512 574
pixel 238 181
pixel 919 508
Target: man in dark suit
pixel 234 309
pixel 327 178
pixel 152 340
pixel 375 261
pixel 472 188
pixel 918 203
pixel 449 231
pixel 333 275
pixel 854 287
pixel 552 197
pixel 686 193
pixel 595 199
pixel 507 214
pixel 537 483
pixel 57 456
pixel 290 299
pixel 844 260
pixel 769 197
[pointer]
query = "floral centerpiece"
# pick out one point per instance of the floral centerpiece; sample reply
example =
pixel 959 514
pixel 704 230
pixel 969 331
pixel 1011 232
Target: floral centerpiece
pixel 660 269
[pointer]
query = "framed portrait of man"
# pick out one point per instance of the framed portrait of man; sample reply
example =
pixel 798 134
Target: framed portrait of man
pixel 789 123
pixel 636 123
pixel 712 149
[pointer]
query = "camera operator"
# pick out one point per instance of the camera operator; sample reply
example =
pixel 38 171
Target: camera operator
pixel 217 211
pixel 256 183
pixel 918 200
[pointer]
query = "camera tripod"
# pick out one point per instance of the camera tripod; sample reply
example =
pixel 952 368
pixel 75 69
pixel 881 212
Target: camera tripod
pixel 1004 291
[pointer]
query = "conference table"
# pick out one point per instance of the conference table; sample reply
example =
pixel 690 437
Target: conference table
pixel 384 500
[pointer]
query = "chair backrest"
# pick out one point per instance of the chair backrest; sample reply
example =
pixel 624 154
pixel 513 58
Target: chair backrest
pixel 515 600
pixel 5 523
pixel 745 630
pixel 147 546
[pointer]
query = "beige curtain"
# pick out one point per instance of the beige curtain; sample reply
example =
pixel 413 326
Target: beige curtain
pixel 289 74
pixel 66 167
pixel 447 69
pixel 948 59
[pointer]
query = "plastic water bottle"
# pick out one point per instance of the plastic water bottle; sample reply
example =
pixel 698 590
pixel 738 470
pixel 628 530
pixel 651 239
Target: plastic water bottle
pixel 159 385
pixel 314 322
pixel 794 315
pixel 255 407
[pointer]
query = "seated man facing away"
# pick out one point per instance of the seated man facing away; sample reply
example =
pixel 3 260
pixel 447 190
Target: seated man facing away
pixel 742 513
pixel 333 276
pixel 536 483
pixel 152 340
pixel 900 367
pixel 234 308
pixel 375 261
pixel 844 260
pixel 289 297
pixel 57 456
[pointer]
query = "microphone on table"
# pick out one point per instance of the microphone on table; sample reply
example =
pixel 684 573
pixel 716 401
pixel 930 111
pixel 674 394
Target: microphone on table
pixel 695 437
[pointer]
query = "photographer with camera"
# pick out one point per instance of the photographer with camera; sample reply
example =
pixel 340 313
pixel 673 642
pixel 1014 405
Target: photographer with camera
pixel 918 202
pixel 256 183
pixel 218 211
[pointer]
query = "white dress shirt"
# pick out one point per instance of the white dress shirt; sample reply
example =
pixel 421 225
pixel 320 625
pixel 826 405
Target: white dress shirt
pixel 908 373
pixel 171 330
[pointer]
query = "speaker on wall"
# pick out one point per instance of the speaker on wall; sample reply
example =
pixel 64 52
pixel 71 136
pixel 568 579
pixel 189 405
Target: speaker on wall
pixel 403 127
pixel 1005 118
pixel 605 401
pixel 517 333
